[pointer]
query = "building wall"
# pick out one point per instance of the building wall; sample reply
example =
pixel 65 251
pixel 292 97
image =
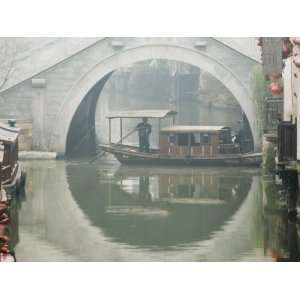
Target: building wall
pixel 288 94
pixel 295 82
pixel 291 77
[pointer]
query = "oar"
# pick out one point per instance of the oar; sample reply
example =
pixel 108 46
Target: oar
pixel 98 155
pixel 127 135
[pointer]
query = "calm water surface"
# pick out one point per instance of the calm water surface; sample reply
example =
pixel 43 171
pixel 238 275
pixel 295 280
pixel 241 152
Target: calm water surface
pixel 77 211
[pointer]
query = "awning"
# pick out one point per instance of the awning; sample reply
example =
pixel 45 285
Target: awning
pixel 158 114
pixel 8 134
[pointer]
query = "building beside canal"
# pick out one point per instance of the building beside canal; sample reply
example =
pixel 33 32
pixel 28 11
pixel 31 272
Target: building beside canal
pixel 281 62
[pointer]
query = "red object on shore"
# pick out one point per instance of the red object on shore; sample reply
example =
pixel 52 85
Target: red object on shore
pixel 4 217
pixel 3 229
pixel 5 254
pixel 3 234
pixel 4 221
pixel 286 50
pixel 6 258
pixel 3 207
pixel 4 249
pixel 275 88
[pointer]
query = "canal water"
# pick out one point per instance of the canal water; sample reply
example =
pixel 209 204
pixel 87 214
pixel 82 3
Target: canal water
pixel 102 211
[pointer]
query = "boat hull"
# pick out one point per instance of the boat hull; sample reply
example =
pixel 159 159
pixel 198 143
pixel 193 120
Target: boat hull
pixel 130 157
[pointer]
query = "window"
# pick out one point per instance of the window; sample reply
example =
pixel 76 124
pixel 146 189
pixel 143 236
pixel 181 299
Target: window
pixel 172 139
pixel 183 139
pixel 222 138
pixel 195 139
pixel 204 138
pixel 225 136
pixel 185 190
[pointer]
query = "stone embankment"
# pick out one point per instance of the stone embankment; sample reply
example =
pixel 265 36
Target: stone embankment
pixel 37 155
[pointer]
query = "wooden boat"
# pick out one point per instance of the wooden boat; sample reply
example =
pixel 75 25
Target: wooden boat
pixel 180 145
pixel 5 255
pixel 12 177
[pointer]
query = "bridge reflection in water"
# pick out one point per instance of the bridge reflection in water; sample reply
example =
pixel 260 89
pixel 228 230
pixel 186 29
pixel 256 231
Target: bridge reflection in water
pixel 103 212
pixel 160 208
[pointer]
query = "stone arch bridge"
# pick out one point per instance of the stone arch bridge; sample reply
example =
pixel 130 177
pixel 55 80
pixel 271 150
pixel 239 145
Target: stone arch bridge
pixel 64 83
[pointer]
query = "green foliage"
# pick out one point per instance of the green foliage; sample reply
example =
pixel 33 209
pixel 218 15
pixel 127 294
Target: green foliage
pixel 269 163
pixel 272 194
pixel 259 92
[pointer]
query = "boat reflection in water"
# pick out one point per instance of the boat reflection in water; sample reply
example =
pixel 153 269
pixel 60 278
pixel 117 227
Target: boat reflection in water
pixel 77 211
pixel 159 207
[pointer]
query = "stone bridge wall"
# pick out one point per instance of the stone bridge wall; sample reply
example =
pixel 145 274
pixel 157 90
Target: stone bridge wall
pixel 50 99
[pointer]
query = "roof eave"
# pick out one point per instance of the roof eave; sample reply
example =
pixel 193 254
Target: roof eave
pixel 142 114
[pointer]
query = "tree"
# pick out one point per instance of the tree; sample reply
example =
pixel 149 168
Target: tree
pixel 8 53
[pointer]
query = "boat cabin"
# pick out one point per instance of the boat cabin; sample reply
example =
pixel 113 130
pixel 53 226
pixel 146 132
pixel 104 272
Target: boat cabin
pixel 175 140
pixel 196 141
pixel 8 152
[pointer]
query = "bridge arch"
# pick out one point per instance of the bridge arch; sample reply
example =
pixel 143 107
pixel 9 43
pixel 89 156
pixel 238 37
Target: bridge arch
pixel 126 57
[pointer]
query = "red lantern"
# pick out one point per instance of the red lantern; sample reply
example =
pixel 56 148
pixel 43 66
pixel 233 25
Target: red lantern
pixel 286 51
pixel 297 61
pixel 296 40
pixel 275 88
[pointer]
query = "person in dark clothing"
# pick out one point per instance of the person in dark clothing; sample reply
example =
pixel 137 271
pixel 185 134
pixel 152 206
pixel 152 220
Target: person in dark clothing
pixel 144 194
pixel 144 131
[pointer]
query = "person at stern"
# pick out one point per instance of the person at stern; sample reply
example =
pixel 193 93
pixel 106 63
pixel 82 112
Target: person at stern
pixel 144 131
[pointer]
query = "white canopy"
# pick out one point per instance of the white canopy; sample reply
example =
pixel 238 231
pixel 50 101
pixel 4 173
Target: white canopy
pixel 187 129
pixel 157 113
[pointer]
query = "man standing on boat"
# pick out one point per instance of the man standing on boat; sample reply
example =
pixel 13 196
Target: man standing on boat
pixel 144 131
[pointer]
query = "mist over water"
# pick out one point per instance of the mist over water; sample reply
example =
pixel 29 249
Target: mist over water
pixel 198 98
